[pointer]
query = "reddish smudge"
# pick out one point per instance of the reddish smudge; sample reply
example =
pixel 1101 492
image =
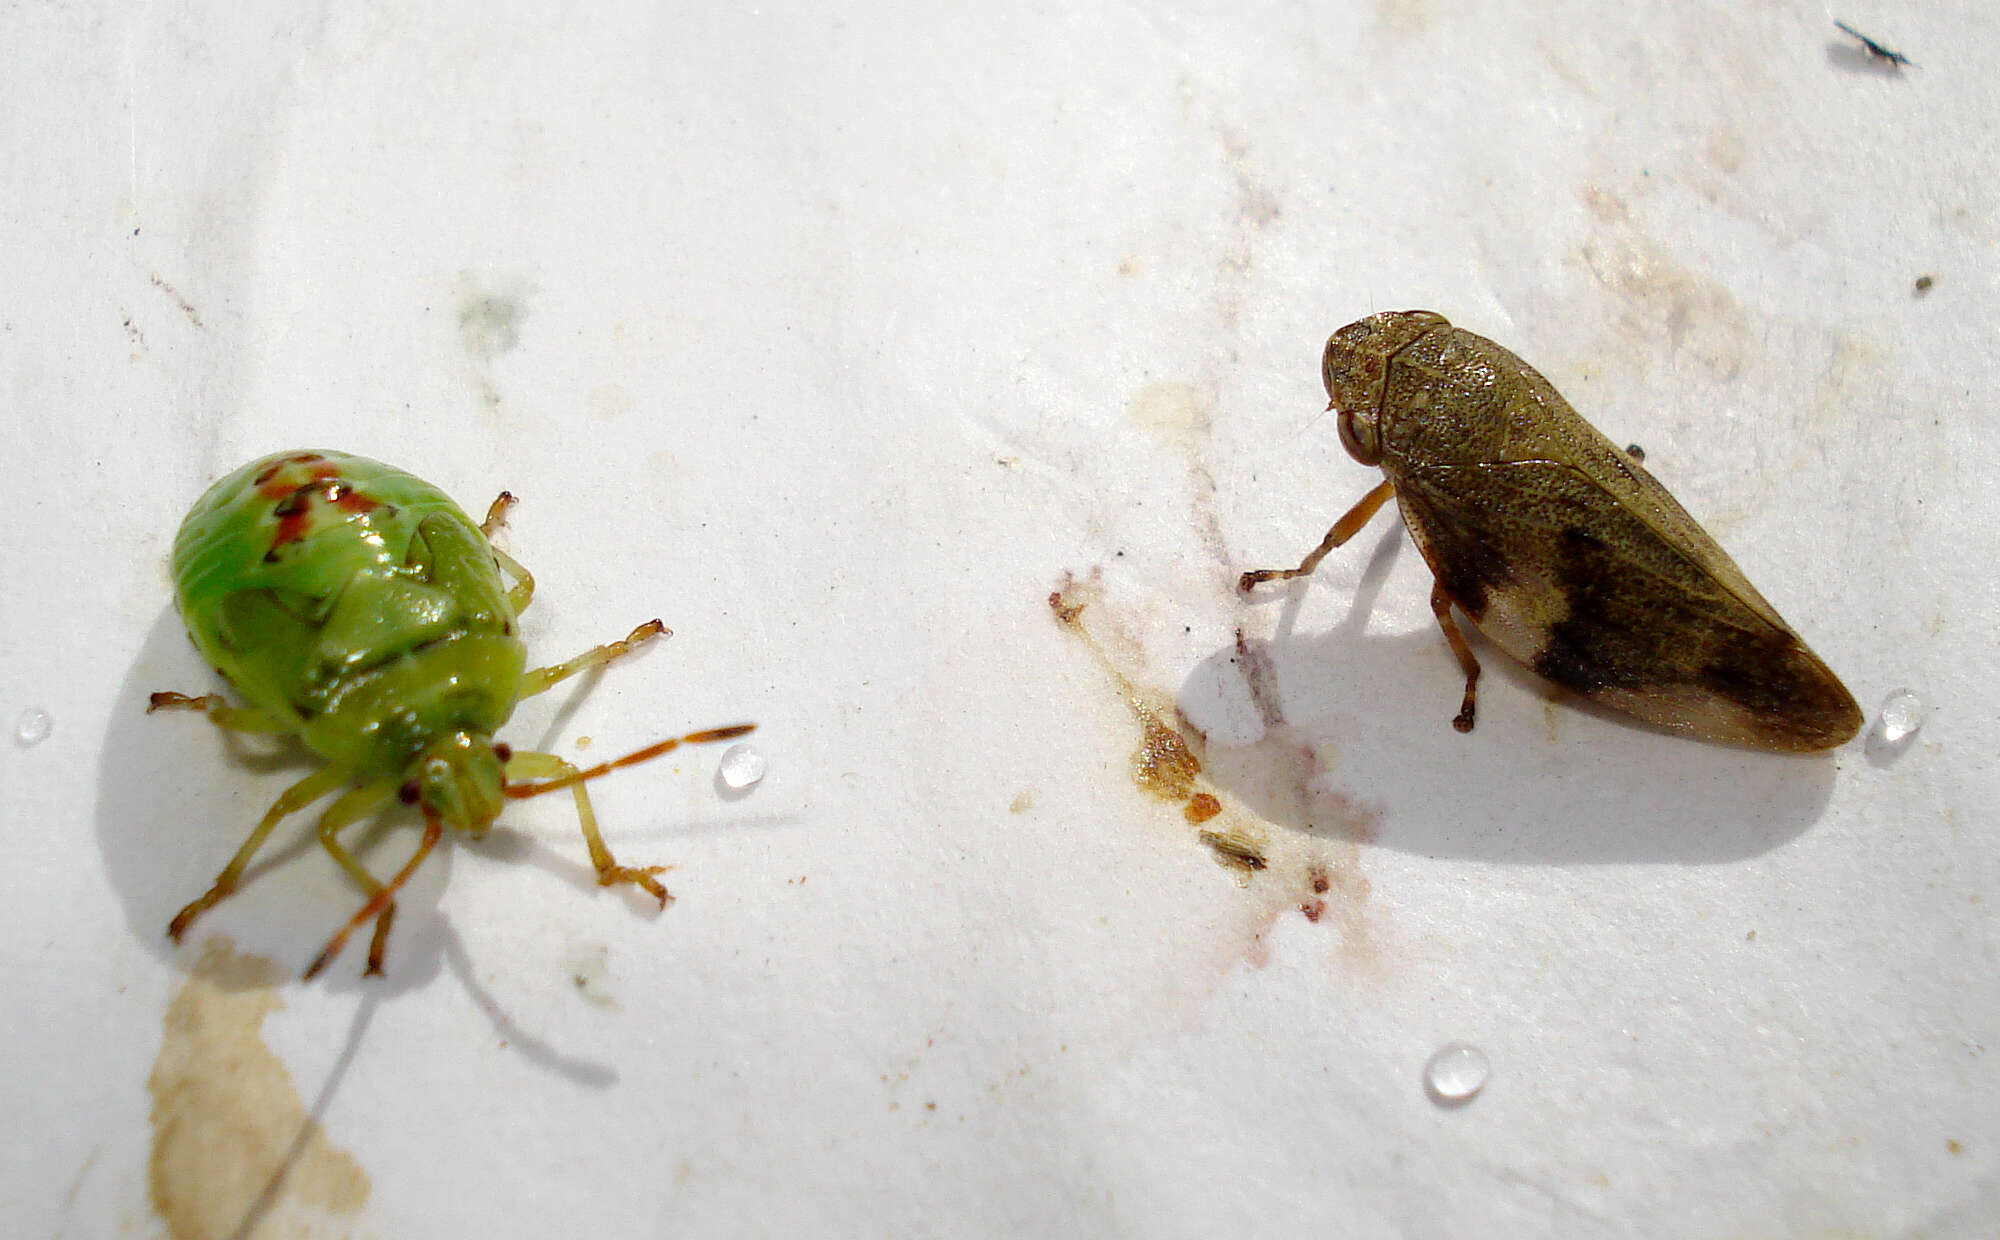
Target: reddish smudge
pixel 1321 884
pixel 1201 807
pixel 274 479
pixel 1313 909
pixel 1261 678
pixel 295 511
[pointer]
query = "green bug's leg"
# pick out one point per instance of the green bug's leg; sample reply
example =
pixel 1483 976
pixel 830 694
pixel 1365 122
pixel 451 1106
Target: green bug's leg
pixel 380 903
pixel 1347 527
pixel 496 512
pixel 524 583
pixel 548 766
pixel 294 798
pixel 522 592
pixel 543 678
pixel 343 813
pixel 220 712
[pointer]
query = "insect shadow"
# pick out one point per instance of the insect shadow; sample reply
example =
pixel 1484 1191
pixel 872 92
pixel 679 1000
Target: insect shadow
pixel 174 797
pixel 1352 719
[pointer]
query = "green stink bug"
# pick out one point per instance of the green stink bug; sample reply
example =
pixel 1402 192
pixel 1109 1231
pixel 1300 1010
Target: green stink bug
pixel 359 609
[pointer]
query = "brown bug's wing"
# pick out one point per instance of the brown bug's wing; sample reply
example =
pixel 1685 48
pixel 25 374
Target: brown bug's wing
pixel 1618 595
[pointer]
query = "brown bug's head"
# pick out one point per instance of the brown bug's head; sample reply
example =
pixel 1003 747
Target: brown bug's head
pixel 1355 366
pixel 458 777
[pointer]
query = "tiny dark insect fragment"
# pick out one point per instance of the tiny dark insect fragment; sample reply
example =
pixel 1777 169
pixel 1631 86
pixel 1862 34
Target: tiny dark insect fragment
pixel 1560 547
pixel 1887 55
pixel 1924 284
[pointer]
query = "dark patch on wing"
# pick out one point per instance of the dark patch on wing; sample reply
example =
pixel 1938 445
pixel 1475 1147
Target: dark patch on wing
pixel 1464 556
pixel 1587 650
pixel 1618 606
pixel 1790 692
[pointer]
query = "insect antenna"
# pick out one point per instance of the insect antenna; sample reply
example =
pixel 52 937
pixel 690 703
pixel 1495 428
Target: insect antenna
pixel 382 904
pixel 522 791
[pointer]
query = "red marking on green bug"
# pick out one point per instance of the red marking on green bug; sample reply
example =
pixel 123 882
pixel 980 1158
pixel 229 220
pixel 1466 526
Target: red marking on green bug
pixel 384 638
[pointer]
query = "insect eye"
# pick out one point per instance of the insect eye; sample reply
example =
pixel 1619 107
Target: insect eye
pixel 503 751
pixel 409 792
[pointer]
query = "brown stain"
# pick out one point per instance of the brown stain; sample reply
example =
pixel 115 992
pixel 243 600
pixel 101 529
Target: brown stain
pixel 1658 297
pixel 1405 21
pixel 1163 764
pixel 1166 765
pixel 234 1151
pixel 187 307
pixel 1724 150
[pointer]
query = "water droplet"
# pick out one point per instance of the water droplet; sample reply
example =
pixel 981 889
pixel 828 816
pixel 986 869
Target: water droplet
pixel 741 767
pixel 1456 1072
pixel 33 727
pixel 1902 714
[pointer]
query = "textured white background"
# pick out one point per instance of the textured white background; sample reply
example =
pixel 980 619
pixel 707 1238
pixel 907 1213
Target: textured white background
pixel 836 342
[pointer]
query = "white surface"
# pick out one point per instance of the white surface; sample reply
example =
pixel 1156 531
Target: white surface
pixel 837 342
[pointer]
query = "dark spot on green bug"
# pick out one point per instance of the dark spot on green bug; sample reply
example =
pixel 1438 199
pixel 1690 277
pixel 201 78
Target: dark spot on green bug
pixel 409 792
pixel 294 512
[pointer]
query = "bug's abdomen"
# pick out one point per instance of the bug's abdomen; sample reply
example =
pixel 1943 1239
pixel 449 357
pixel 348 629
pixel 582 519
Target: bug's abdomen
pixel 303 573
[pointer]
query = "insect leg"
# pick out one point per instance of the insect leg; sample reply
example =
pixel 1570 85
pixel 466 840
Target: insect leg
pixel 343 813
pixel 550 767
pixel 220 712
pixel 383 901
pixel 543 678
pixel 524 583
pixel 1347 527
pixel 496 512
pixel 1441 607
pixel 523 590
pixel 293 799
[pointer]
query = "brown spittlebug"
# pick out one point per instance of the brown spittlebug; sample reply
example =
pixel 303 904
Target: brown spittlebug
pixel 1560 547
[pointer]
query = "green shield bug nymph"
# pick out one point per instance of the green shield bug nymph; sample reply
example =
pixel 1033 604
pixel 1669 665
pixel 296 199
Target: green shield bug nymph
pixel 1561 548
pixel 358 608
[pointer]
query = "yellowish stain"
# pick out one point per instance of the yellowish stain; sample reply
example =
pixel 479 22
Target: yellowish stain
pixel 234 1151
pixel 1174 411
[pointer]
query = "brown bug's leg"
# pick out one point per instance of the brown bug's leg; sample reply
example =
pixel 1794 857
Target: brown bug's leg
pixel 543 678
pixel 1441 607
pixel 220 712
pixel 343 813
pixel 294 798
pixel 1347 527
pixel 381 906
pixel 560 772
